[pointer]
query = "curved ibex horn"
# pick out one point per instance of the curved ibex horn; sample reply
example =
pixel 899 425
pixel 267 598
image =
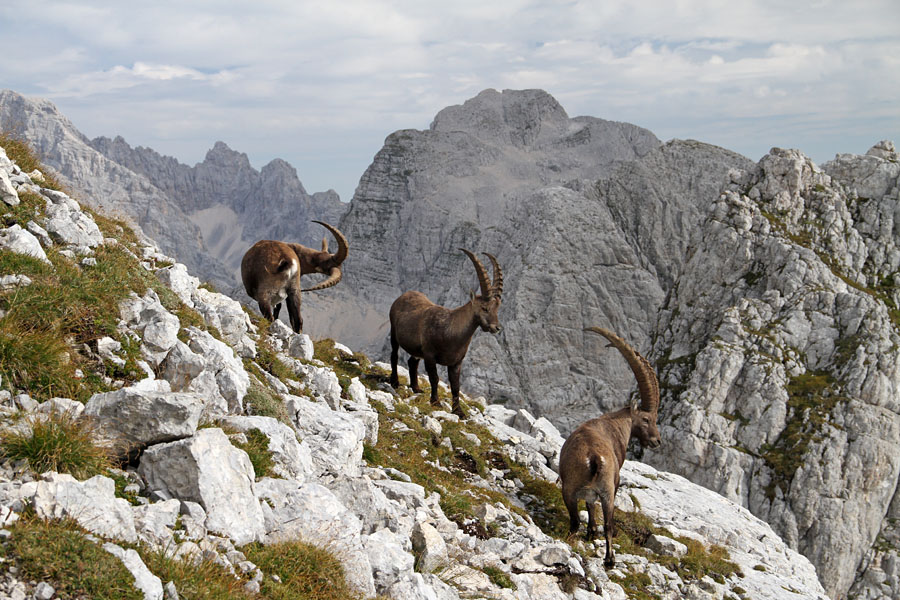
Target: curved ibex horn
pixel 336 273
pixel 482 274
pixel 497 285
pixel 648 385
pixel 343 245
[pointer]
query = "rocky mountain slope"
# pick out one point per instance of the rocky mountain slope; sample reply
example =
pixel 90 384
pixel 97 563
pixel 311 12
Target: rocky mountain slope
pixel 779 354
pixel 765 294
pixel 241 438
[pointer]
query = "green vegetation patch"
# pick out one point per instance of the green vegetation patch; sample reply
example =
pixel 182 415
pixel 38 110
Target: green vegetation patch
pixel 59 553
pixel 499 578
pixel 58 442
pixel 305 571
pixel 348 367
pixel 632 532
pixel 263 402
pixel 811 401
pixel 202 580
pixel 66 306
pixel 257 448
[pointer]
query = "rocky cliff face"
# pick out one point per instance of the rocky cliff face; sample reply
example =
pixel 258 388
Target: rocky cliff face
pixel 777 350
pixel 232 203
pixel 589 219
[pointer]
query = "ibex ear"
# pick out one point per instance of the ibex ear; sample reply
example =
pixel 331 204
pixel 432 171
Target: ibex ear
pixel 635 402
pixel 325 244
pixel 472 295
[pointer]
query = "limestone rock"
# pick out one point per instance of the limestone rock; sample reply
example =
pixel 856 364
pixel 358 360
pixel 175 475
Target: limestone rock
pixel 138 418
pixel 144 580
pixel 92 503
pixel 335 439
pixel 16 239
pixel 311 513
pixel 776 385
pixel 208 470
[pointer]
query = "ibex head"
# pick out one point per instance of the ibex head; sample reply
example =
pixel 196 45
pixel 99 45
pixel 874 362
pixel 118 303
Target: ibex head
pixel 643 426
pixel 487 305
pixel 325 262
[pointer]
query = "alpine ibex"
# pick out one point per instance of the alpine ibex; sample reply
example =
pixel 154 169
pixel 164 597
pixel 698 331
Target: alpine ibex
pixel 271 273
pixel 441 336
pixel 592 456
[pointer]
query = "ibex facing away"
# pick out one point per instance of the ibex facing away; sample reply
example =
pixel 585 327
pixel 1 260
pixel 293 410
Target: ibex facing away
pixel 441 336
pixel 271 273
pixel 592 456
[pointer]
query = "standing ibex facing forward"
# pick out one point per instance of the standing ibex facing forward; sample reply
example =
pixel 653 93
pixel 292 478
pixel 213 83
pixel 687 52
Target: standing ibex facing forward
pixel 271 273
pixel 441 336
pixel 591 458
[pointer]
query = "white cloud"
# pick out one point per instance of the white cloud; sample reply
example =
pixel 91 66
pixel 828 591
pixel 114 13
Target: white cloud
pixel 295 76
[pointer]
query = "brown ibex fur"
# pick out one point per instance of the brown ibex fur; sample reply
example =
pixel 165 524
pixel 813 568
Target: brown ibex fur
pixel 591 458
pixel 271 273
pixel 441 336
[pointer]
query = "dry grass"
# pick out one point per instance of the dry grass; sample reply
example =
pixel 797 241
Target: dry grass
pixel 57 442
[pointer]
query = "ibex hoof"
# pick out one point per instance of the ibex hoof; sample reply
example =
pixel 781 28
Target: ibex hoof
pixel 609 562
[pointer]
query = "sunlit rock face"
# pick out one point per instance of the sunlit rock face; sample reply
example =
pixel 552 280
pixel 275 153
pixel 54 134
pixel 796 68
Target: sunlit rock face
pixel 779 357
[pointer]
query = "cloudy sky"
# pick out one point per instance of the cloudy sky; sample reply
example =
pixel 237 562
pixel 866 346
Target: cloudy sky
pixel 321 84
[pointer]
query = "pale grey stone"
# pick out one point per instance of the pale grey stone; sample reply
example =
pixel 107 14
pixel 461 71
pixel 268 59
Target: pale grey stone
pixel 335 439
pixel 155 522
pixel 177 278
pixel 92 503
pixel 430 548
pixel 140 418
pixel 61 406
pixel 16 239
pixel 8 192
pixel 40 233
pixel 208 470
pixel 43 591
pixel 389 557
pixel 301 346
pixel 144 580
pixel 665 546
pixel 312 513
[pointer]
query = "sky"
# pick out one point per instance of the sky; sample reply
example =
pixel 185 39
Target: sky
pixel 322 84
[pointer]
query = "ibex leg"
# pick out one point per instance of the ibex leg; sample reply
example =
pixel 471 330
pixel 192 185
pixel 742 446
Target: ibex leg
pixel 453 375
pixel 431 369
pixel 265 309
pixel 395 348
pixel 609 530
pixel 293 308
pixel 571 503
pixel 592 520
pixel 413 365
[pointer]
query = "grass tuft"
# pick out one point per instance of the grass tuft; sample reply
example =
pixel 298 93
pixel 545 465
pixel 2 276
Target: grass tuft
pixel 257 448
pixel 306 571
pixel 58 552
pixel 201 580
pixel 58 442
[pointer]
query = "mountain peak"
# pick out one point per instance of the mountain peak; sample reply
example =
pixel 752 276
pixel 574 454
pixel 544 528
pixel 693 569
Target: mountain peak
pixel 519 116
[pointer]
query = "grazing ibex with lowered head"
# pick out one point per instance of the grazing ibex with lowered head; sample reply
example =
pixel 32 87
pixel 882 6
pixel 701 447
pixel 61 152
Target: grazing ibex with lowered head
pixel 591 458
pixel 271 273
pixel 441 336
